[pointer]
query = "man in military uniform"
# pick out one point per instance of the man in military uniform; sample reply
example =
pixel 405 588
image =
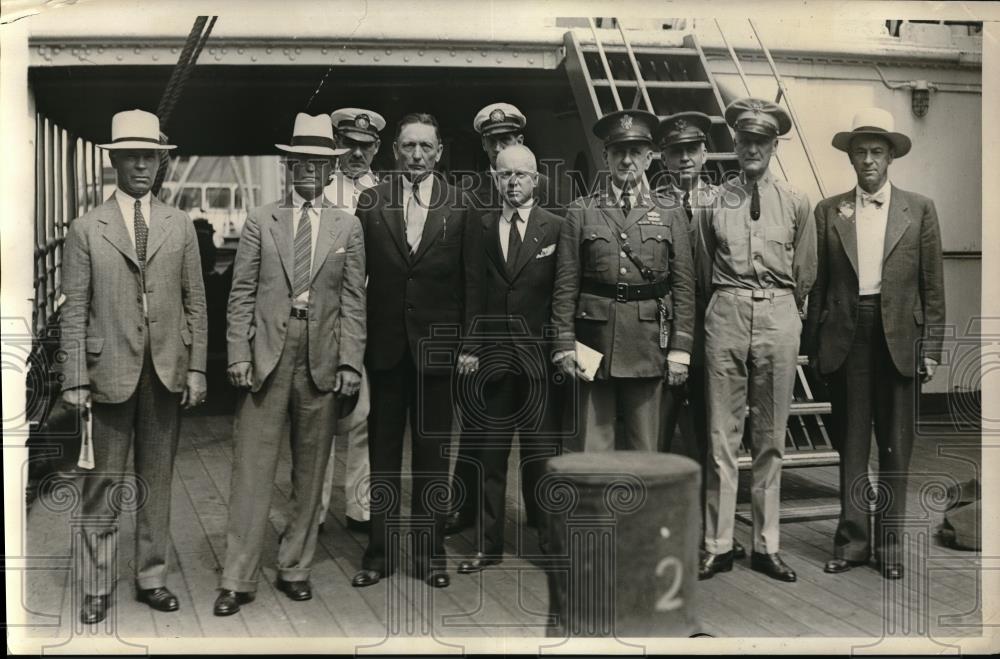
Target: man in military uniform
pixel 682 140
pixel 625 288
pixel 356 130
pixel 760 243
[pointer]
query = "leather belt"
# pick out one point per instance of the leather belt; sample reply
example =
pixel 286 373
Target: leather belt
pixel 756 293
pixel 626 292
pixel 302 313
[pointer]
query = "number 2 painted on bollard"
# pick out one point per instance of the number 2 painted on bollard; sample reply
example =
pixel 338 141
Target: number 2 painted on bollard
pixel 669 600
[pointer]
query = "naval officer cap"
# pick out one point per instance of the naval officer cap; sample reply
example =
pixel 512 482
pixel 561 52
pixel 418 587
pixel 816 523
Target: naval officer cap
pixel 499 118
pixel 683 128
pixel 357 124
pixel 626 126
pixel 754 115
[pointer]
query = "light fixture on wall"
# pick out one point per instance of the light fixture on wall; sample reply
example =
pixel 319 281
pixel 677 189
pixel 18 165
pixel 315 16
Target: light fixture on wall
pixel 920 92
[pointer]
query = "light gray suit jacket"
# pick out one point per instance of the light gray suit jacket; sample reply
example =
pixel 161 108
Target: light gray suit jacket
pixel 261 297
pixel 102 317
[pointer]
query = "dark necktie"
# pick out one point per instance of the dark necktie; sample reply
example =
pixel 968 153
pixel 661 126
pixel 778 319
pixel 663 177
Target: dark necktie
pixel 626 202
pixel 303 252
pixel 687 205
pixel 141 236
pixel 755 203
pixel 513 243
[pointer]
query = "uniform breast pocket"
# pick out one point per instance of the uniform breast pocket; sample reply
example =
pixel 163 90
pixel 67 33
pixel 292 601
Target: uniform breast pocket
pixel 781 246
pixel 656 247
pixel 597 248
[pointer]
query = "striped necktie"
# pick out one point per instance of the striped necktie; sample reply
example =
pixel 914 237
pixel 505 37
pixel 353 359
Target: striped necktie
pixel 303 252
pixel 141 236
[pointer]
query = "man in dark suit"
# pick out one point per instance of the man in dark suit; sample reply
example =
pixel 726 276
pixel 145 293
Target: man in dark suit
pixel 134 331
pixel 879 290
pixel 296 340
pixel 424 270
pixel 516 386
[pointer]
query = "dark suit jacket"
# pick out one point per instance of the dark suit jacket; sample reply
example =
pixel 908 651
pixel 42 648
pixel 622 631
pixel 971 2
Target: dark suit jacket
pixel 102 318
pixel 409 296
pixel 912 282
pixel 514 309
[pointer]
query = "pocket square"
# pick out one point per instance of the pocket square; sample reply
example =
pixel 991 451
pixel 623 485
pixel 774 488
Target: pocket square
pixel 548 250
pixel 340 250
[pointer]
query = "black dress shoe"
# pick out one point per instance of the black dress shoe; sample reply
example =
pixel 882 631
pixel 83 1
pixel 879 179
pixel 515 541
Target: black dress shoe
pixel 710 564
pixel 891 570
pixel 438 580
pixel 160 599
pixel 772 566
pixel 739 551
pixel 228 602
pixel 479 563
pixel 839 565
pixel 366 578
pixel 297 591
pixel 94 609
pixel 361 526
pixel 456 523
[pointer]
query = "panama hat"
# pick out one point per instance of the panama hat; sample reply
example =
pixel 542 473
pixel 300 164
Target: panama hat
pixel 135 129
pixel 312 136
pixel 874 121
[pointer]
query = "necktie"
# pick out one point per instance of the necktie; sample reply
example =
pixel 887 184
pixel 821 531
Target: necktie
pixel 513 242
pixel 755 203
pixel 626 202
pixel 687 205
pixel 413 228
pixel 878 199
pixel 141 236
pixel 303 252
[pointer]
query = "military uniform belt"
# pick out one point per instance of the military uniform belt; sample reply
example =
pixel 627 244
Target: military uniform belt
pixel 756 293
pixel 626 292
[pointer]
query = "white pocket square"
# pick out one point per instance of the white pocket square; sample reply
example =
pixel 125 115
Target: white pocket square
pixel 546 251
pixel 340 250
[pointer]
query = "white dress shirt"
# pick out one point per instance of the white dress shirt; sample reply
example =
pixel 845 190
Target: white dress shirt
pixel 314 215
pixel 426 186
pixel 870 222
pixel 506 219
pixel 343 191
pixel 126 203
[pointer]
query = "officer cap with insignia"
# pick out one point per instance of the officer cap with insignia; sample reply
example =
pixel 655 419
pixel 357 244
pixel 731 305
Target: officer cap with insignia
pixel 499 118
pixel 626 126
pixel 682 128
pixel 754 115
pixel 357 124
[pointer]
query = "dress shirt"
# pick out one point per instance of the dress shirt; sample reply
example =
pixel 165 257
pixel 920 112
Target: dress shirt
pixel 776 251
pixel 870 222
pixel 314 215
pixel 343 191
pixel 634 194
pixel 126 203
pixel 506 218
pixel 426 186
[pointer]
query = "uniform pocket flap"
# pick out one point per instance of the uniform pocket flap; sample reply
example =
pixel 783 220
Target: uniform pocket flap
pixel 95 344
pixel 592 307
pixel 783 235
pixel 659 233
pixel 647 310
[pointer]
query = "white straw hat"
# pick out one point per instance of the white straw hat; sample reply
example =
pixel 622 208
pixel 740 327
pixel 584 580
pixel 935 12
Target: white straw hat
pixel 135 129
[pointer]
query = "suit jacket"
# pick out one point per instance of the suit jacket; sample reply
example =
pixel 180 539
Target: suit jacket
pixel 261 297
pixel 627 333
pixel 102 317
pixel 515 307
pixel 422 296
pixel 912 282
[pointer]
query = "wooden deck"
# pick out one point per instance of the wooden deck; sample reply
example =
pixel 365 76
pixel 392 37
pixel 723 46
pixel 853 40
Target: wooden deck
pixel 940 596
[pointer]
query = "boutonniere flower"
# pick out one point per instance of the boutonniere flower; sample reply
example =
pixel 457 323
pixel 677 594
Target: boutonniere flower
pixel 846 210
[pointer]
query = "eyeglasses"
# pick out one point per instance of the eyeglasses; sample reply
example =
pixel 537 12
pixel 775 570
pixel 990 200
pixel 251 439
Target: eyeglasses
pixel 506 174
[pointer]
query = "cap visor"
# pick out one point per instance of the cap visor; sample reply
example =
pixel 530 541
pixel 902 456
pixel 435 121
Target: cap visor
pixel 358 135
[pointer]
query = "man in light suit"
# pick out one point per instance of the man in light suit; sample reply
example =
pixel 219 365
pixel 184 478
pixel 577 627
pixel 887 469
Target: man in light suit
pixel 879 290
pixel 134 330
pixel 296 339
pixel 424 272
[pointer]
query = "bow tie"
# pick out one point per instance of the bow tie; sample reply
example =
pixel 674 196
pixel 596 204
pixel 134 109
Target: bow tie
pixel 878 199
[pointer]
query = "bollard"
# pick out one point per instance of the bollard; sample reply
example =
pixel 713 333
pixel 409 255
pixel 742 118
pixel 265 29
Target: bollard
pixel 619 531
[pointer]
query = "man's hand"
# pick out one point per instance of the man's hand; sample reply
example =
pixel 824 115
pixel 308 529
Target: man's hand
pixel 195 390
pixel 927 372
pixel 79 397
pixel 467 364
pixel 348 382
pixel 240 375
pixel 677 373
pixel 567 364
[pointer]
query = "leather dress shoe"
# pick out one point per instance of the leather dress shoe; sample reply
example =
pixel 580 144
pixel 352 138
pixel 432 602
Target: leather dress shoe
pixel 839 565
pixel 94 609
pixel 438 580
pixel 456 523
pixel 297 591
pixel 479 563
pixel 772 566
pixel 366 578
pixel 739 551
pixel 891 570
pixel 228 602
pixel 710 564
pixel 160 599
pixel 361 526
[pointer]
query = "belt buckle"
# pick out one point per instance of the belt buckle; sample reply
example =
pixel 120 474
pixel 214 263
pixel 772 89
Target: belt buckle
pixel 760 294
pixel 621 292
